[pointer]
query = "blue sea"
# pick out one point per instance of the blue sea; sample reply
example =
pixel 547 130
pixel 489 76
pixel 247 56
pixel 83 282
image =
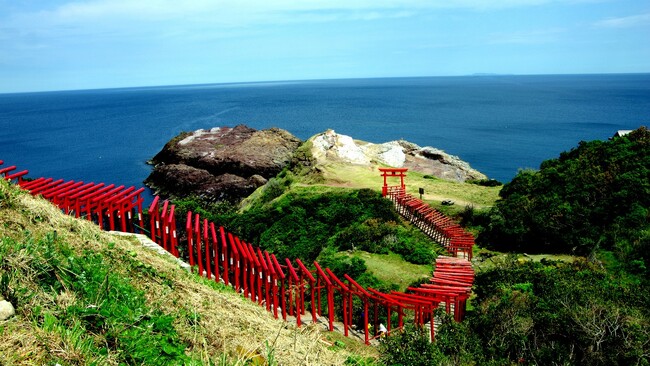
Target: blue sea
pixel 498 124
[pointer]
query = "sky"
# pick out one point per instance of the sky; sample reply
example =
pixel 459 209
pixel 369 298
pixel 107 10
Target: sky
pixel 68 45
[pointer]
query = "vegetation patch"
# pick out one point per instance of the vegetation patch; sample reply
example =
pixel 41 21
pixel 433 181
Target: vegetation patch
pixel 485 182
pixel 304 220
pixel 83 296
pixel 94 313
pixel 552 312
pixel 594 197
pixel 391 268
pixel 537 313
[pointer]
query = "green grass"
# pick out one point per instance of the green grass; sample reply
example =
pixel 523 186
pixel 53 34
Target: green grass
pixel 340 176
pixel 83 296
pixel 435 190
pixel 391 268
pixel 463 194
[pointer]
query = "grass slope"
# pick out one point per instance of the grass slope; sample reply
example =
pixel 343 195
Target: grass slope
pixel 391 268
pixel 436 190
pixel 338 178
pixel 83 296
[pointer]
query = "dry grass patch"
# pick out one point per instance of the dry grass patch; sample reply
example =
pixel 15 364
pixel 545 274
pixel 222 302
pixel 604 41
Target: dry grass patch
pixel 216 325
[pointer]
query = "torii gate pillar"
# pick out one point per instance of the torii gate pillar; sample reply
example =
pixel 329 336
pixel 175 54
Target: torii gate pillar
pixel 393 172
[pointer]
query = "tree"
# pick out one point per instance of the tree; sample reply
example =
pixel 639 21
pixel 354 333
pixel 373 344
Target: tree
pixel 595 196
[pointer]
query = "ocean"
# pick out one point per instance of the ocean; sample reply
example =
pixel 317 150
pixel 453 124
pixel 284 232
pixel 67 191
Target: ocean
pixel 498 124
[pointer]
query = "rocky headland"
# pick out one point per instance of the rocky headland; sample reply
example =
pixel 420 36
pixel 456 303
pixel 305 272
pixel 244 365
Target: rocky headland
pixel 222 163
pixel 226 163
pixel 329 145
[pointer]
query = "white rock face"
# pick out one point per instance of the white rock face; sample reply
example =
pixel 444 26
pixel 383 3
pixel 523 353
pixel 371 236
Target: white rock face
pixel 331 144
pixel 398 154
pixel 6 310
pixel 198 133
pixel 392 154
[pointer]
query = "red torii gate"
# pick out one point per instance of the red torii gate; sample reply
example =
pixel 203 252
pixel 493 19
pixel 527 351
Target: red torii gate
pixel 389 302
pixel 256 272
pixel 430 221
pixel 393 172
pixel 106 202
pixel 346 296
pixel 10 177
pixel 86 201
pixel 73 202
pixel 329 288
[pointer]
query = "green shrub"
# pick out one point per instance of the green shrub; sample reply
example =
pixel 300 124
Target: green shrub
pixel 368 235
pixel 409 347
pixel 420 255
pixel 474 218
pixel 590 198
pixel 560 313
pixel 276 187
pixel 300 223
pixel 340 264
pixel 485 182
pixel 414 246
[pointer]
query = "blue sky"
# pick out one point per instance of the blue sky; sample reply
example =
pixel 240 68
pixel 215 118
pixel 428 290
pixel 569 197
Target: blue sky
pixel 61 45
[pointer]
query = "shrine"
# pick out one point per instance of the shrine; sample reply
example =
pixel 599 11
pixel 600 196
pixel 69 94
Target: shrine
pixel 393 172
pixel 442 229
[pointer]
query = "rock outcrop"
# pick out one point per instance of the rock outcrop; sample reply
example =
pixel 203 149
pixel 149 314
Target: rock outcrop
pixel 226 163
pixel 6 309
pixel 221 163
pixel 399 154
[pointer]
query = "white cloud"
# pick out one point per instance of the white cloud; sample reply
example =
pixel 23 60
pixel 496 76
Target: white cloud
pixel 625 22
pixel 171 8
pixel 84 24
pixel 527 37
pixel 143 18
pixel 139 17
pixel 243 12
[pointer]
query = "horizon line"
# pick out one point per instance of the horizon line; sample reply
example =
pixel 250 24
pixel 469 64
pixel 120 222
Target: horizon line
pixel 232 83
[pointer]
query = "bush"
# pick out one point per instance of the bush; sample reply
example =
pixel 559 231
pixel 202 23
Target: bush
pixel 368 235
pixel 414 246
pixel 474 218
pixel 300 223
pixel 485 182
pixel 593 197
pixel 340 264
pixel 411 346
pixel 560 313
pixel 271 190
pixel 420 255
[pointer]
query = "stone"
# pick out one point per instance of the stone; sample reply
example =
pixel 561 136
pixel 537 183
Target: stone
pixel 6 310
pixel 330 145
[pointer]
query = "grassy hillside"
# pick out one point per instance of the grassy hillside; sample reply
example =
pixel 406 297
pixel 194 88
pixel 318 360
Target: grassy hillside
pixel 391 268
pixel 83 296
pixel 315 209
pixel 436 190
pixel 305 170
